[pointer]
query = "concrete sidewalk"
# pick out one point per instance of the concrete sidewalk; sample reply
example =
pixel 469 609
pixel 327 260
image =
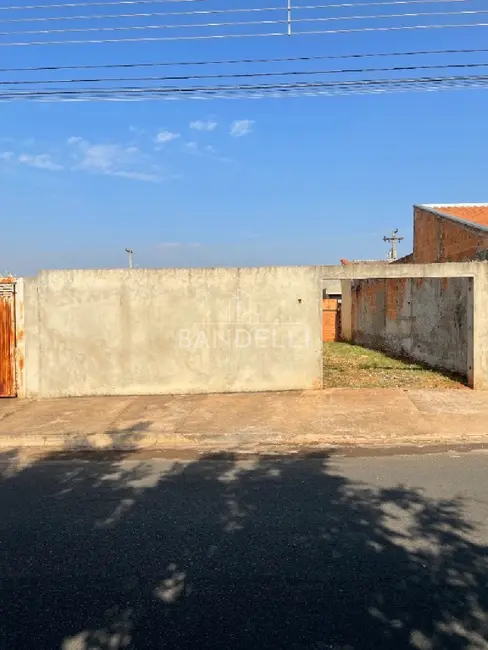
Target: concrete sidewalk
pixel 248 423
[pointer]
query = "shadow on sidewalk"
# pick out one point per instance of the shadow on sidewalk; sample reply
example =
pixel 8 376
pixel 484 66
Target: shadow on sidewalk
pixel 280 552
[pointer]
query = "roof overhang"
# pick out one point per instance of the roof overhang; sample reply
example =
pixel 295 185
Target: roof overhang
pixel 436 208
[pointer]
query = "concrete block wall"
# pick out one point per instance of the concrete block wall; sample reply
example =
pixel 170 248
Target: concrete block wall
pixel 425 319
pixel 142 331
pixel 167 331
pixel 442 239
pixel 382 270
pixel 478 271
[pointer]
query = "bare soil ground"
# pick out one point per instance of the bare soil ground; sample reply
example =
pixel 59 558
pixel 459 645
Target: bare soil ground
pixel 352 366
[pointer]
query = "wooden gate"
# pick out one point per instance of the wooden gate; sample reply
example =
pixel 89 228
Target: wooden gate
pixel 7 339
pixel 331 319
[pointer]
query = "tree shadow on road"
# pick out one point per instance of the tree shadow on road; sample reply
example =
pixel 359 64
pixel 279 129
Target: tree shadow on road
pixel 278 552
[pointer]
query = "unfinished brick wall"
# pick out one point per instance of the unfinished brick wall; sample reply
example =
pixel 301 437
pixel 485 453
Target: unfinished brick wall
pixel 426 319
pixel 331 324
pixel 440 239
pixel 376 302
pixel 425 237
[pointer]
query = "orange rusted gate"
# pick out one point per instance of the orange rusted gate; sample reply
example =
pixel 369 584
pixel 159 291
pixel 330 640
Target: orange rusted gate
pixel 7 338
pixel 331 319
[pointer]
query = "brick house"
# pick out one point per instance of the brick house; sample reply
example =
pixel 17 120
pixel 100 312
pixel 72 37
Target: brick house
pixel 449 233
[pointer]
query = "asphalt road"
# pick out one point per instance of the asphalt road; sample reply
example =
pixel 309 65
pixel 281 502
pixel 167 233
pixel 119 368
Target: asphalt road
pixel 303 553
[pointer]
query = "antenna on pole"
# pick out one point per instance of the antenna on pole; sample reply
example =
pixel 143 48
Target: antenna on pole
pixel 392 253
pixel 130 252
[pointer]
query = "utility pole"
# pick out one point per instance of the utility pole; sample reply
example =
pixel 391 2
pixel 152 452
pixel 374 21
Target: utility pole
pixel 130 252
pixel 392 253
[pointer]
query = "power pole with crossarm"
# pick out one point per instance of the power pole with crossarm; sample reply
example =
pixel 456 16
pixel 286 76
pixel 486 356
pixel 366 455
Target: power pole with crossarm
pixel 392 253
pixel 130 252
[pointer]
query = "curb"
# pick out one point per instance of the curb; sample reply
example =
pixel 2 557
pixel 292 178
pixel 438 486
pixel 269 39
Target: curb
pixel 179 445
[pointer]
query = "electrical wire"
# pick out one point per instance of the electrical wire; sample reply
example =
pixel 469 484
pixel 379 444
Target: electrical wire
pixel 86 30
pixel 294 59
pixel 238 23
pixel 152 14
pixel 232 88
pixel 364 85
pixel 319 19
pixel 158 39
pixel 94 4
pixel 385 29
pixel 251 75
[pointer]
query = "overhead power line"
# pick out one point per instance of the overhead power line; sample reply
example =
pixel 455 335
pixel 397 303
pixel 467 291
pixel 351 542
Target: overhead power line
pixel 238 23
pixel 251 75
pixel 94 4
pixel 206 12
pixel 85 30
pixel 257 91
pixel 294 59
pixel 154 39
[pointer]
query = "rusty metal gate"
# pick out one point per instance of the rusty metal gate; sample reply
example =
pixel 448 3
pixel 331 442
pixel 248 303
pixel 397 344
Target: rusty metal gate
pixel 7 339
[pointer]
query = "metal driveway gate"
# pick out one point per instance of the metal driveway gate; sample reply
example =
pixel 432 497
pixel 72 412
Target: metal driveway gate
pixel 7 339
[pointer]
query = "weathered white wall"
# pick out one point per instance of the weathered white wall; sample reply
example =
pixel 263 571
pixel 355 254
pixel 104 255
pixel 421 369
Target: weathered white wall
pixel 480 328
pixel 106 332
pixel 426 319
pixel 381 270
pixel 478 271
pixel 346 311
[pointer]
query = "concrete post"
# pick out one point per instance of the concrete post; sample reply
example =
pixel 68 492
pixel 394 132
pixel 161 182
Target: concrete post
pixel 346 310
pixel 19 338
pixel 480 328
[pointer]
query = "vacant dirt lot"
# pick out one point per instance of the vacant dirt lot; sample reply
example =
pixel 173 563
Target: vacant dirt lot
pixel 352 366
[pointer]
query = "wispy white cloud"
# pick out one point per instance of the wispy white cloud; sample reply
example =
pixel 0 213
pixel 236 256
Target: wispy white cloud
pixel 165 245
pixel 208 151
pixel 130 158
pixel 111 160
pixel 100 157
pixel 137 176
pixel 200 125
pixel 40 161
pixel 240 128
pixel 191 147
pixel 166 136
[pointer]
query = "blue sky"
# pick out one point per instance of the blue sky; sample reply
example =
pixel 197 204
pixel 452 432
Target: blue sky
pixel 234 182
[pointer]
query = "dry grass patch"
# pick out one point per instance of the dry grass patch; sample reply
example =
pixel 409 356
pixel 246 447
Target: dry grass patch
pixel 352 366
